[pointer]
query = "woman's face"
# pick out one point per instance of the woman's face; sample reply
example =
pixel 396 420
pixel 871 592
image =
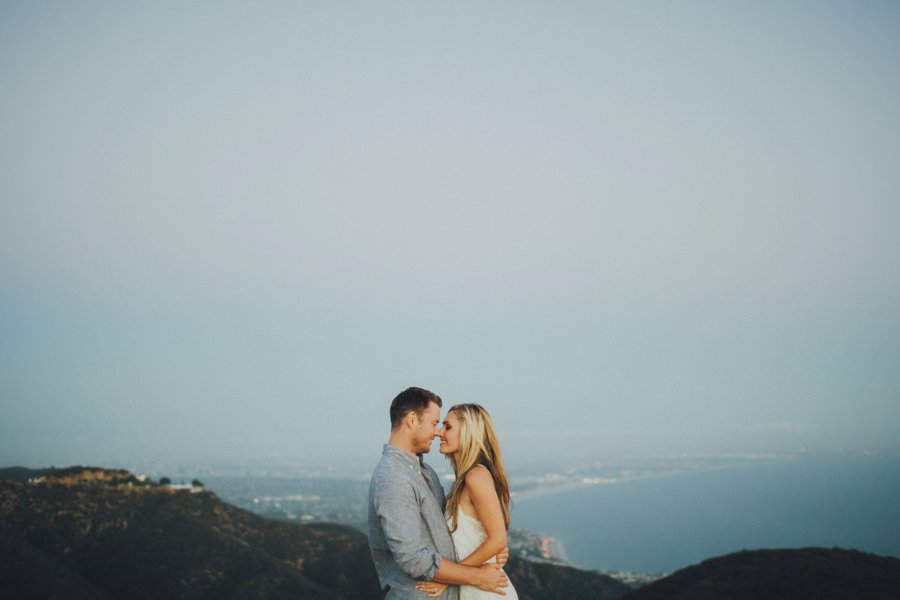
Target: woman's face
pixel 450 434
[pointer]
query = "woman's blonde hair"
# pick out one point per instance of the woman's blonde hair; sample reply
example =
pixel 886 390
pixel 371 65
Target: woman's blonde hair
pixel 478 445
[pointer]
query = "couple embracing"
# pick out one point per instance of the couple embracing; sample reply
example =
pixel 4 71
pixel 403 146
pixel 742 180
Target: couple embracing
pixel 423 543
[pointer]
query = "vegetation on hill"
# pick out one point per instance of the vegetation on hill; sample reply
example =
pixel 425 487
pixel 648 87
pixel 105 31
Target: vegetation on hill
pixel 89 533
pixel 83 540
pixel 547 581
pixel 803 574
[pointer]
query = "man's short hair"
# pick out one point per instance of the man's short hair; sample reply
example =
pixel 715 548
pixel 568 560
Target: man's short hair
pixel 412 399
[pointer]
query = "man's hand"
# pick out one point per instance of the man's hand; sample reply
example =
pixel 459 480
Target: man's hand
pixel 432 588
pixel 503 556
pixel 491 578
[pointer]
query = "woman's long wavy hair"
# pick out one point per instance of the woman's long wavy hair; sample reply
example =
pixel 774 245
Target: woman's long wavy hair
pixel 478 445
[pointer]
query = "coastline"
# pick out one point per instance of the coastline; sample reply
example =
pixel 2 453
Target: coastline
pixel 671 519
pixel 549 489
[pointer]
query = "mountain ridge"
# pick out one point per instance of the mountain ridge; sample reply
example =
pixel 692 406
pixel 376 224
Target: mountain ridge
pixel 91 533
pixel 87 532
pixel 781 574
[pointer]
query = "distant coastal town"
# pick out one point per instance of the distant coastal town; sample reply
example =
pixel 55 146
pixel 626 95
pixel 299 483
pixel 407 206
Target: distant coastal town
pixel 306 494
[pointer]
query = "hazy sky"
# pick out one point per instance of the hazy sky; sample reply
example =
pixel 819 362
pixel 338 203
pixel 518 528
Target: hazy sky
pixel 241 228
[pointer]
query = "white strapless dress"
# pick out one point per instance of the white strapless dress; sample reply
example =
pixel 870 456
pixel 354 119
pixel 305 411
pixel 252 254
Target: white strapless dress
pixel 469 535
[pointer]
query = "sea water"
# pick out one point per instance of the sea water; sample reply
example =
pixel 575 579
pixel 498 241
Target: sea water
pixel 668 522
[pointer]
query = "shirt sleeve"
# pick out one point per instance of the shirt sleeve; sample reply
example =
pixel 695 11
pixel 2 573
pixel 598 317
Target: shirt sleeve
pixel 397 509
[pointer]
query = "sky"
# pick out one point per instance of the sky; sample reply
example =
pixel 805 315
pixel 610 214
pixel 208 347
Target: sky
pixel 240 229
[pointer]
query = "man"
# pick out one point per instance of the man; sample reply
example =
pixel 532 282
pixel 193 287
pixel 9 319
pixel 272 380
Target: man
pixel 408 535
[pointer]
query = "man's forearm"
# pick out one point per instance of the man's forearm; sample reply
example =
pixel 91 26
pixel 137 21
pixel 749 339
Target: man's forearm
pixel 489 577
pixel 455 574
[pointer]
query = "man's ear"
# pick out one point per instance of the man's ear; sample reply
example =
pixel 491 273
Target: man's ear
pixel 412 419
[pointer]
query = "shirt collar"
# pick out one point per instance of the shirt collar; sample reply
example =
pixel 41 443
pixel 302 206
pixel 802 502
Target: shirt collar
pixel 411 460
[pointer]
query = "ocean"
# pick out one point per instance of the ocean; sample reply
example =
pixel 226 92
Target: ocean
pixel 664 523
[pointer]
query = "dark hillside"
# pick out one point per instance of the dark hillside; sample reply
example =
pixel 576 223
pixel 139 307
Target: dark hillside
pixel 88 533
pixel 93 533
pixel 23 474
pixel 805 574
pixel 95 540
pixel 543 581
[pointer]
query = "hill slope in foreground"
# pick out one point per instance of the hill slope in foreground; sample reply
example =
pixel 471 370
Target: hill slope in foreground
pixel 805 574
pixel 87 533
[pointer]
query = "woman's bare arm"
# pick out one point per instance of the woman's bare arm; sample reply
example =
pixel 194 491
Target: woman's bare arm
pixel 480 486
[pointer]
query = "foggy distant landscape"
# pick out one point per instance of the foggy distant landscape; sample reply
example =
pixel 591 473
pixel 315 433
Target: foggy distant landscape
pixel 657 241
pixel 612 514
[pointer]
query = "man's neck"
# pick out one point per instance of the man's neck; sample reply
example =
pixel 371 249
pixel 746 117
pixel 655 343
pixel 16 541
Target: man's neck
pixel 402 443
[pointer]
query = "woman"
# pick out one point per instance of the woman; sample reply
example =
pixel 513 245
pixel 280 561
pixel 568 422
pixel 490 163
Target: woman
pixel 478 505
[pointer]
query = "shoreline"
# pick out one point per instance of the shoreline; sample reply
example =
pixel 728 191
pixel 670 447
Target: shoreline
pixel 670 502
pixel 550 489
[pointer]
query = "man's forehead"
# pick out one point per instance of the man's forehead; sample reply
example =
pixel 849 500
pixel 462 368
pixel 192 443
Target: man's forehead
pixel 433 410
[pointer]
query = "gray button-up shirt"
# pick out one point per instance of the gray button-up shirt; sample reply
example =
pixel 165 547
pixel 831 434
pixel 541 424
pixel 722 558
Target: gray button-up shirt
pixel 407 531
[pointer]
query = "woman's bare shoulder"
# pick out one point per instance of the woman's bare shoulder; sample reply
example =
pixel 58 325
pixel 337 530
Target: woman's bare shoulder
pixel 479 477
